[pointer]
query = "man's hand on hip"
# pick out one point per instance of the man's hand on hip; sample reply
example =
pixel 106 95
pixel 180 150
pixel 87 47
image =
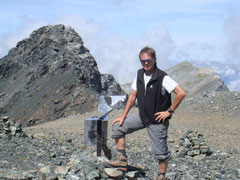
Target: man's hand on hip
pixel 162 116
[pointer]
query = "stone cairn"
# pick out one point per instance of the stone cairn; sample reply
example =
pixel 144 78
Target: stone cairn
pixel 9 128
pixel 192 144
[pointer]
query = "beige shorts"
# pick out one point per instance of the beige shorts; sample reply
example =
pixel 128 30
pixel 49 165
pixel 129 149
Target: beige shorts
pixel 157 134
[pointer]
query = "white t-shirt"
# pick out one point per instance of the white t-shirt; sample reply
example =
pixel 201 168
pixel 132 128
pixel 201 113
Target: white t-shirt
pixel 168 83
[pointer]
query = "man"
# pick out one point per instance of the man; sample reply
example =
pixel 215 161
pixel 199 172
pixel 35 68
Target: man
pixel 152 89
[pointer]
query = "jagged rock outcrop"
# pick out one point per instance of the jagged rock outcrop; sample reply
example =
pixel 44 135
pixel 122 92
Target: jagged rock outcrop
pixel 109 85
pixel 195 81
pixel 9 128
pixel 49 75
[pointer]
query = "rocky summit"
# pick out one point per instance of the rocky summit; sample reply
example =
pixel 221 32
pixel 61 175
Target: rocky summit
pixel 195 81
pixel 51 75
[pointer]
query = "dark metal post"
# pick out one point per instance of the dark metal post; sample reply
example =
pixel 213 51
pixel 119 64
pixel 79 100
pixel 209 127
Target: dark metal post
pixel 99 137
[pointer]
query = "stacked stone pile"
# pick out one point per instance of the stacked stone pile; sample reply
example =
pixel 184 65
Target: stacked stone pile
pixel 9 128
pixel 192 144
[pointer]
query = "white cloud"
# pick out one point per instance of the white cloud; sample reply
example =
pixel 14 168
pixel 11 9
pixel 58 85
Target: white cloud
pixel 119 56
pixel 10 39
pixel 234 85
pixel 160 39
pixel 88 29
pixel 118 3
pixel 200 51
pixel 115 37
pixel 115 54
pixel 186 6
pixel 231 31
pixel 229 72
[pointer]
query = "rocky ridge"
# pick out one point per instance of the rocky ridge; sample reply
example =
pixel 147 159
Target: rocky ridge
pixel 51 75
pixel 195 81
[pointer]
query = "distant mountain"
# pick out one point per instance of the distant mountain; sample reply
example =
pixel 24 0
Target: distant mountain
pixel 51 75
pixel 195 81
pixel 229 73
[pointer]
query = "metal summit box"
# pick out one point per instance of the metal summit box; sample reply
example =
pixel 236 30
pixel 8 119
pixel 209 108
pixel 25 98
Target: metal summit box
pixel 90 130
pixel 95 128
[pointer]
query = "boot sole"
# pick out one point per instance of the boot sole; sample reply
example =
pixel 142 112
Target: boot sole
pixel 124 168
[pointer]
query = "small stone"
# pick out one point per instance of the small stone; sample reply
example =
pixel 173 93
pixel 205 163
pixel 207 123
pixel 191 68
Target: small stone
pixel 73 177
pixel 2 94
pixel 11 174
pixel 5 118
pixel 170 140
pixel 186 143
pixel 93 174
pixel 190 153
pixel 112 172
pixel 200 157
pixel 133 174
pixel 46 169
pixel 13 130
pixel 40 135
pixel 56 101
pixel 196 152
pixel 196 147
pixel 186 133
pixel 204 147
pixel 4 162
pixel 62 170
pixel 30 174
pixel 205 151
pixel 69 140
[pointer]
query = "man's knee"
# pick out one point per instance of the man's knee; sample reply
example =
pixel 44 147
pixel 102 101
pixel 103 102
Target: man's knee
pixel 117 131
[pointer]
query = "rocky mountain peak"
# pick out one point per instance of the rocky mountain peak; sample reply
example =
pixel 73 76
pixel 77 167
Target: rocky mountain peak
pixel 49 75
pixel 196 80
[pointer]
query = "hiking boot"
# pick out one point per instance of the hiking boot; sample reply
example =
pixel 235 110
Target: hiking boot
pixel 120 162
pixel 161 177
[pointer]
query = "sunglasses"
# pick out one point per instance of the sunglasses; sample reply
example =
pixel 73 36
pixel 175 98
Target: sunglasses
pixel 147 60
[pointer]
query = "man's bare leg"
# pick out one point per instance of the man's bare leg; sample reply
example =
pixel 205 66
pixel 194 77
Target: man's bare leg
pixel 120 142
pixel 121 157
pixel 162 165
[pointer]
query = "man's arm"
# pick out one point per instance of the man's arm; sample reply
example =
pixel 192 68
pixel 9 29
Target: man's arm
pixel 130 102
pixel 180 94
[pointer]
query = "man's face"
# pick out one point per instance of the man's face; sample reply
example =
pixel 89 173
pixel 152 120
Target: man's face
pixel 147 62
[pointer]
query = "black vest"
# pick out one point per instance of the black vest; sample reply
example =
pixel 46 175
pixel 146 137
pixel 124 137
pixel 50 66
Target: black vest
pixel 154 99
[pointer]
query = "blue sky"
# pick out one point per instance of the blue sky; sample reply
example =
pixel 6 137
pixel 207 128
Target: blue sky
pixel 115 30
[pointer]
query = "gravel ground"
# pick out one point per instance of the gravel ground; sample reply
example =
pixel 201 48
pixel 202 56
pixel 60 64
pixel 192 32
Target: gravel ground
pixel 61 142
pixel 220 132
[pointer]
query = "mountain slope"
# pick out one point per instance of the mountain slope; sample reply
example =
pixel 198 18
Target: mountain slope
pixel 195 81
pixel 51 75
pixel 229 73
